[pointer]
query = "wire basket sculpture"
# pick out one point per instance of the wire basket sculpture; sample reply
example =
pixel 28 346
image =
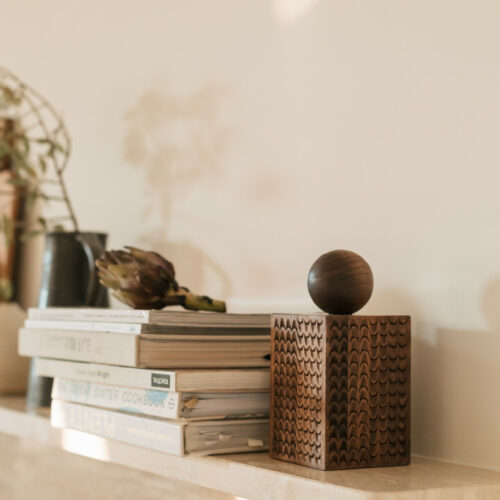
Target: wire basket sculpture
pixel 35 149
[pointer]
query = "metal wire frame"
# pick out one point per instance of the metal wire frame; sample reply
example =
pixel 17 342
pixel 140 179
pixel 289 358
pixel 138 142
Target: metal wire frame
pixel 41 124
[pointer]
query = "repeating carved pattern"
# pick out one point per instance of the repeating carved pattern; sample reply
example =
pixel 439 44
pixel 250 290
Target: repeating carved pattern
pixel 298 397
pixel 389 390
pixel 340 390
pixel 359 398
pixel 336 388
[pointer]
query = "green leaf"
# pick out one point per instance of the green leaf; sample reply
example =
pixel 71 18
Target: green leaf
pixel 22 165
pixel 42 222
pixel 58 147
pixel 10 96
pixel 43 164
pixel 4 149
pixel 30 234
pixel 6 290
pixel 54 147
pixel 31 198
pixel 24 141
pixel 18 182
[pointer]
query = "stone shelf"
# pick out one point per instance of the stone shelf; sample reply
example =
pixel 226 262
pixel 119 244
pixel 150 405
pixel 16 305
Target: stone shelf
pixel 255 475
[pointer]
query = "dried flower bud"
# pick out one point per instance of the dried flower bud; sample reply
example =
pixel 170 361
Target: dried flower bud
pixel 146 280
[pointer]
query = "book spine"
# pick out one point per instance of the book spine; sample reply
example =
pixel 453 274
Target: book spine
pixel 86 326
pixel 148 402
pixel 160 435
pixel 112 348
pixel 107 374
pixel 89 314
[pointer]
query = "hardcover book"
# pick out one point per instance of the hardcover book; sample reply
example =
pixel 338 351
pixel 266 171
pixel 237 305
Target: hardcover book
pixel 137 328
pixel 163 404
pixel 147 350
pixel 169 436
pixel 186 319
pixel 199 380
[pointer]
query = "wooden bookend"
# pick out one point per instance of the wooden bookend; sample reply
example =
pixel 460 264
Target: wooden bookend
pixel 340 390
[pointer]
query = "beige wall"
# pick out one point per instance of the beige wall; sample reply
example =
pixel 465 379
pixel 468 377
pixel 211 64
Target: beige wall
pixel 245 138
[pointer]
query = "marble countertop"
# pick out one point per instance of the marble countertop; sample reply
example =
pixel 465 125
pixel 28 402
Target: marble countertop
pixel 252 476
pixel 30 470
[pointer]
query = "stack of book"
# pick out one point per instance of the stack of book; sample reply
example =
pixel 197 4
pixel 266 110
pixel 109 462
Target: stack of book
pixel 178 382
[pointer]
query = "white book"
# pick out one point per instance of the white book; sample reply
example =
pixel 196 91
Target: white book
pixel 167 318
pixel 138 328
pixel 163 404
pixel 169 436
pixel 213 380
pixel 114 348
pixel 84 326
pixel 158 351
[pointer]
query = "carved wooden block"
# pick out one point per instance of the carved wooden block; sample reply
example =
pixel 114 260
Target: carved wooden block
pixel 340 390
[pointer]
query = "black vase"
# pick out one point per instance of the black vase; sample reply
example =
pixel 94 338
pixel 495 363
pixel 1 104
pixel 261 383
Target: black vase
pixel 69 279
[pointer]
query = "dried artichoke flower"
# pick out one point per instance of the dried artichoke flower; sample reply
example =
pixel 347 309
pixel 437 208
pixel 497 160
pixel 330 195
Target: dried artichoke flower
pixel 145 280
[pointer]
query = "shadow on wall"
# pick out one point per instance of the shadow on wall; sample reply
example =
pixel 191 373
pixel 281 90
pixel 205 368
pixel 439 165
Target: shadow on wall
pixel 179 143
pixel 459 377
pixel 455 378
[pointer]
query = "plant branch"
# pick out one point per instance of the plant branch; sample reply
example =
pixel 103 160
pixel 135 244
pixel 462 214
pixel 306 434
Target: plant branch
pixel 58 217
pixel 53 198
pixel 48 181
pixel 58 168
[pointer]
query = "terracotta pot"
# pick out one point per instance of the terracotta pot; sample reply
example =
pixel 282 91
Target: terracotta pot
pixel 13 368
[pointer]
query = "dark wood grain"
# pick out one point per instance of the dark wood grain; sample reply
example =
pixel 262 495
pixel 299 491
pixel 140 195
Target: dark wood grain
pixel 340 282
pixel 340 390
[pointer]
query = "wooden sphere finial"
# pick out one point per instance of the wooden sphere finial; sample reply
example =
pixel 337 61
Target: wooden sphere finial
pixel 340 282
